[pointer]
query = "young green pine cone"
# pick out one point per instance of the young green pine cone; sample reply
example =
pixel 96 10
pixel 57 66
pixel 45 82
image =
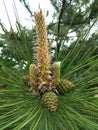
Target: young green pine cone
pixel 56 73
pixel 65 86
pixel 50 100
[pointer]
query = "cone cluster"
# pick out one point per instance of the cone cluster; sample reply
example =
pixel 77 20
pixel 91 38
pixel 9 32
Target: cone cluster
pixel 44 78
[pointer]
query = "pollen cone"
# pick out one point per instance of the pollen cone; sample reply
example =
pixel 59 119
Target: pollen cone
pixel 33 76
pixel 55 69
pixel 43 56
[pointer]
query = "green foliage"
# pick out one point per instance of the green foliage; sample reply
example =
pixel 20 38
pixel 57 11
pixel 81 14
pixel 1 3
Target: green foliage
pixel 17 47
pixel 73 17
pixel 20 109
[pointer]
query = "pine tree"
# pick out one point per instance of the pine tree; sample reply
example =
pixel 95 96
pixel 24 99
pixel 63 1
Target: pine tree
pixel 31 96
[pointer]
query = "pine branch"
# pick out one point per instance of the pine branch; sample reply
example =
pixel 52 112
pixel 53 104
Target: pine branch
pixel 27 7
pixel 58 27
